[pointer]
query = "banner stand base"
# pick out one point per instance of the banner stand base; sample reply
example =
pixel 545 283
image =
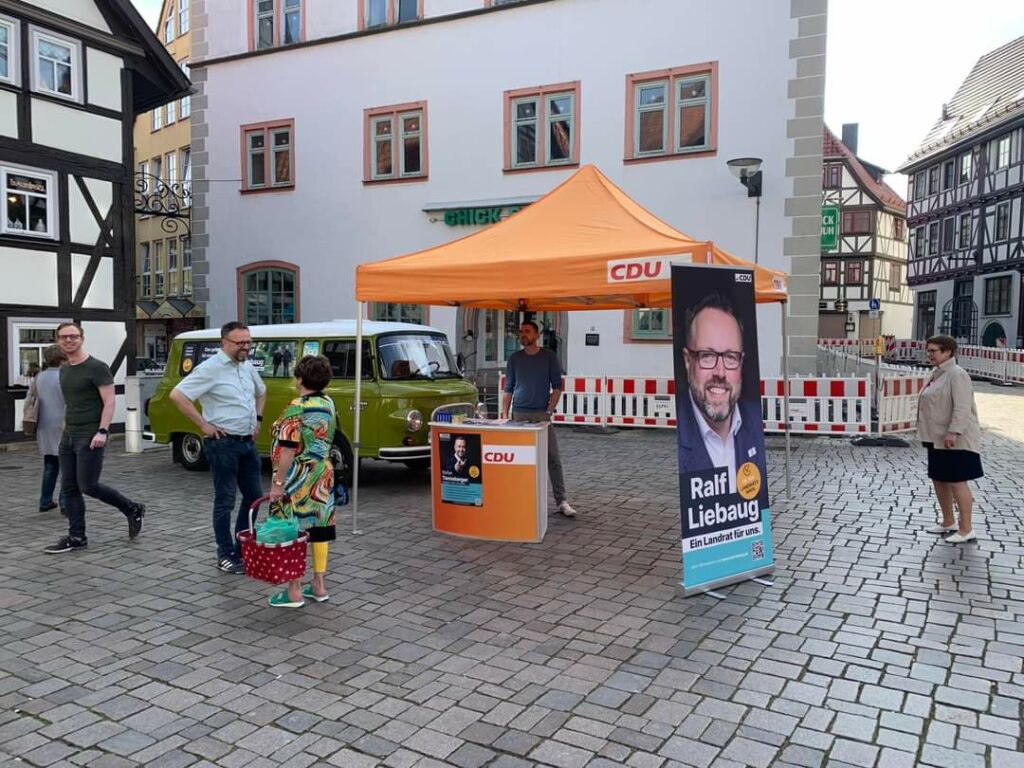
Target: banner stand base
pixel 880 442
pixel 706 589
pixel 716 595
pixel 764 582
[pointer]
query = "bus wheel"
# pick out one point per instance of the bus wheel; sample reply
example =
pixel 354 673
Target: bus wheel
pixel 189 449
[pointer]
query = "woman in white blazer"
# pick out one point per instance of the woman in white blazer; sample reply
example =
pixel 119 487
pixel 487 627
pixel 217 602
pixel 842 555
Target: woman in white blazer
pixel 947 424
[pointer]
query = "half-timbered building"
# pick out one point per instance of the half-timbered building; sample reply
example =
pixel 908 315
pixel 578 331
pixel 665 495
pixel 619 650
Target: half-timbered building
pixel 73 76
pixel 966 191
pixel 864 255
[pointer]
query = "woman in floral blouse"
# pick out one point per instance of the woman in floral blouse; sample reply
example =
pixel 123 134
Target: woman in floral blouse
pixel 303 479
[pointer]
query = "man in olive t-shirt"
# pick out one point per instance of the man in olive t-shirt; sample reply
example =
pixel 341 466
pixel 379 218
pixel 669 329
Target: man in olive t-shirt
pixel 88 389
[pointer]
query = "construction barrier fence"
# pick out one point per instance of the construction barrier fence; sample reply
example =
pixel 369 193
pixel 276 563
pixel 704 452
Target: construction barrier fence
pixel 817 405
pixel 999 364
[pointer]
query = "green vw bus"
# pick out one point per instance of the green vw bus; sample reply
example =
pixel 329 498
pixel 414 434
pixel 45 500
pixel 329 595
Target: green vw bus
pixel 408 371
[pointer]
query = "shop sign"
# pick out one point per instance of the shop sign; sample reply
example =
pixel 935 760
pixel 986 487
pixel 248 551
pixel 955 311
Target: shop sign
pixel 469 217
pixel 829 227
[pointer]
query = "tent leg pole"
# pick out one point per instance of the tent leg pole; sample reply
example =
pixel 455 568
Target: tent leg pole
pixel 357 407
pixel 785 390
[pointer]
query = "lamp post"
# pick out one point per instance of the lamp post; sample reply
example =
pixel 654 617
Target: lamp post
pixel 748 171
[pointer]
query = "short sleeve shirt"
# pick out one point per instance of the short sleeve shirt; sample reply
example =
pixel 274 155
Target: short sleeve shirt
pixel 83 405
pixel 227 391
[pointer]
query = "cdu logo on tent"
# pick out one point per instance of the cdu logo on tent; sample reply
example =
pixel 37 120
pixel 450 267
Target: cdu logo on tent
pixel 636 270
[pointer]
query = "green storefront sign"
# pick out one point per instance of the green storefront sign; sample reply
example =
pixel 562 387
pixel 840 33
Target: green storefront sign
pixel 466 217
pixel 829 227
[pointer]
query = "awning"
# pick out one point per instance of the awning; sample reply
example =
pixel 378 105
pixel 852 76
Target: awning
pixel 584 245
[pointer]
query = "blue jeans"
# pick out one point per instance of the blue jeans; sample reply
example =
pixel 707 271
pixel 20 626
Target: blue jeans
pixel 233 464
pixel 80 468
pixel 51 470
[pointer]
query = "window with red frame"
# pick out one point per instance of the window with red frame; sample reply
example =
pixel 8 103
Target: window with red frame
pixel 540 128
pixel 672 112
pixel 856 222
pixel 830 273
pixel 854 272
pixel 833 176
pixel 276 22
pixel 396 143
pixel 268 156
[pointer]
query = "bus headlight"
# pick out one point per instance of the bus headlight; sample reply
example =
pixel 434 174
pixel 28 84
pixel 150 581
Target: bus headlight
pixel 414 421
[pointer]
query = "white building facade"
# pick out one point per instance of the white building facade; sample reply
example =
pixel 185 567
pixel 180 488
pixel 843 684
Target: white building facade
pixel 326 135
pixel 73 75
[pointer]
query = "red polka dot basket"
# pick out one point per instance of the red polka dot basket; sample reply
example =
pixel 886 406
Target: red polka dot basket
pixel 272 563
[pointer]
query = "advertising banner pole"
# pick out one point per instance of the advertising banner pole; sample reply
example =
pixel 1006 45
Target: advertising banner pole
pixel 785 389
pixel 357 407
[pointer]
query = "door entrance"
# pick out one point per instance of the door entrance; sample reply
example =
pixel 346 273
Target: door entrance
pixel 831 325
pixel 870 327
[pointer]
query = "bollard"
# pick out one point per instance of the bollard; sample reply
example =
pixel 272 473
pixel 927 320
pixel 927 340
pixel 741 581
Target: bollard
pixel 132 431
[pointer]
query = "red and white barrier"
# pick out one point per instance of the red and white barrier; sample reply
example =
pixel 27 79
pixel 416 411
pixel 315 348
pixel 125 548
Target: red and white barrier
pixel 583 401
pixel 904 350
pixel 823 406
pixel 897 401
pixel 641 402
pixel 999 364
pixel 834 406
pixel 863 347
pixel 1015 366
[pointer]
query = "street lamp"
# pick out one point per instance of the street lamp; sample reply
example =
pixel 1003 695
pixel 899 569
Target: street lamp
pixel 748 171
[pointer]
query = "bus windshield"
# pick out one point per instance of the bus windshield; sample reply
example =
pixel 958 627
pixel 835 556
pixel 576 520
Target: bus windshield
pixel 416 356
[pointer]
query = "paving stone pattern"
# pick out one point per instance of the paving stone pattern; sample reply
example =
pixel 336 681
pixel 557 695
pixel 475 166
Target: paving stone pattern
pixel 878 645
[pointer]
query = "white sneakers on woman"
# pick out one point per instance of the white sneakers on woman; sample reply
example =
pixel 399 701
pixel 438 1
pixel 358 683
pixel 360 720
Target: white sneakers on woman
pixel 956 537
pixel 960 538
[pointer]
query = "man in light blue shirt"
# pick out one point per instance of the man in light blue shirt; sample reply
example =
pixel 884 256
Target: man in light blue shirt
pixel 232 395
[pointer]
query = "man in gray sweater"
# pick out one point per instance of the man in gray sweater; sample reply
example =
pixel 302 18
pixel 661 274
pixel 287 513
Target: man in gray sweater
pixel 533 387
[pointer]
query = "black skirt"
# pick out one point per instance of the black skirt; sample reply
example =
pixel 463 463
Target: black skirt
pixel 953 466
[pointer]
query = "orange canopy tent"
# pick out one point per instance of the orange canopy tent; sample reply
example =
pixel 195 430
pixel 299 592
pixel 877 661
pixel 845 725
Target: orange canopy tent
pixel 585 245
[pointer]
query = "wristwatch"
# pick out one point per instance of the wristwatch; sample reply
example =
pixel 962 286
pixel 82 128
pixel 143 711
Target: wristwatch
pixel 259 417
pixel 103 431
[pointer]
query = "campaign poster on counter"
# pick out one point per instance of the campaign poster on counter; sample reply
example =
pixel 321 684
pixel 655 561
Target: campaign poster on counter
pixel 461 469
pixel 723 482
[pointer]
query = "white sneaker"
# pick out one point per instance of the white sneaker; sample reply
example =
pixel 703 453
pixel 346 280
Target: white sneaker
pixel 565 509
pixel 960 538
pixel 940 528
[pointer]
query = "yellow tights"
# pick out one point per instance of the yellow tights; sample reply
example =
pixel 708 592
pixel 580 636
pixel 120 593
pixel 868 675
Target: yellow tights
pixel 319 556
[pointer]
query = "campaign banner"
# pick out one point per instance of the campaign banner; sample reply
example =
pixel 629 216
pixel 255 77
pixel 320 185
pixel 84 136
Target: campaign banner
pixel 461 471
pixel 723 479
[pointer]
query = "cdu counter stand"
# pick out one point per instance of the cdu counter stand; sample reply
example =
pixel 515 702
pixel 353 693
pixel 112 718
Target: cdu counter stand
pixel 489 478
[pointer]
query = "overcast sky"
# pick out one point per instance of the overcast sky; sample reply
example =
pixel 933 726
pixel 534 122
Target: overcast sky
pixel 891 64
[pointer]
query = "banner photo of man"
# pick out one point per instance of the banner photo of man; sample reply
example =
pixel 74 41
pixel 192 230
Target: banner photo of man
pixel 723 481
pixel 461 469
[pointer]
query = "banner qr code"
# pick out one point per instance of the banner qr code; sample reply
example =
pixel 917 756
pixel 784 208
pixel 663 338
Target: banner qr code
pixel 757 550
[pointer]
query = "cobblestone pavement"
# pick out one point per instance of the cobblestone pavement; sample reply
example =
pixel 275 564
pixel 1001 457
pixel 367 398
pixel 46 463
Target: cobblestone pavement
pixel 877 645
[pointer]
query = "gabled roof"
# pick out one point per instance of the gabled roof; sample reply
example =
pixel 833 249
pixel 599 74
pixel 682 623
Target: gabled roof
pixel 160 79
pixel 834 149
pixel 993 93
pixel 584 245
